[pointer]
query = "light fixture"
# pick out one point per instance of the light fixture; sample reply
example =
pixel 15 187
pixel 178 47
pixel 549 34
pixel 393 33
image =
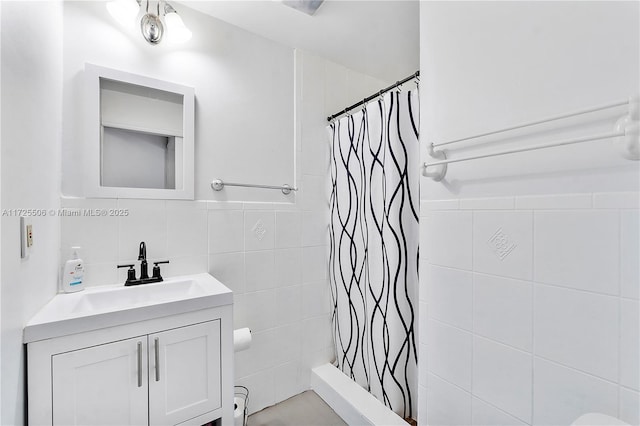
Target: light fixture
pixel 164 23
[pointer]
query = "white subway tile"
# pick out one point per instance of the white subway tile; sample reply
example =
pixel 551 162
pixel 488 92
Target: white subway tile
pixel 502 310
pixel 313 193
pixel 260 273
pixel 103 274
pixel 288 264
pixel 503 243
pixel 448 239
pixel 551 202
pixel 577 329
pixel 259 230
pixel 288 229
pixel 260 356
pixel 497 203
pixel 288 383
pixel 502 376
pixel 224 205
pixel 577 249
pixel 616 200
pixel 226 231
pixel 449 295
pixel 449 353
pixel 447 404
pixel 97 235
pixel 186 232
pixel 185 265
pixel 288 345
pixel 630 254
pixel 483 414
pixel 561 395
pixel 629 344
pixel 262 387
pixel 629 406
pixel 427 205
pixel 317 334
pixel 229 269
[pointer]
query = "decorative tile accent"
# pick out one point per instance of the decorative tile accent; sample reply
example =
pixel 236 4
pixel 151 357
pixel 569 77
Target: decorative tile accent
pixel 259 230
pixel 501 244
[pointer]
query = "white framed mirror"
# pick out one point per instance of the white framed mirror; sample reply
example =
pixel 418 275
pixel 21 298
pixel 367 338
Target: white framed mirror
pixel 140 136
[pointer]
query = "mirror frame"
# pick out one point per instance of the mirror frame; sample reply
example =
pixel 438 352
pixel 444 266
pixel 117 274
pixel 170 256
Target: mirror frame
pixel 93 122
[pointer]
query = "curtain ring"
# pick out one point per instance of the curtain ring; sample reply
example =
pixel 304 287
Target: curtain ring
pixel 380 95
pixel 398 88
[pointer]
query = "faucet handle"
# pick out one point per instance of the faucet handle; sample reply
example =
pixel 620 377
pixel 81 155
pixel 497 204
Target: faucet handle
pixel 156 269
pixel 131 273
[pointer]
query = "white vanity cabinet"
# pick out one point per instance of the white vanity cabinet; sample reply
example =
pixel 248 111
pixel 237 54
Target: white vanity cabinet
pixel 169 369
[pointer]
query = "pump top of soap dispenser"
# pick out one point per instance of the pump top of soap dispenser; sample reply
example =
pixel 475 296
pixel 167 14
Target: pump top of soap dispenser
pixel 75 252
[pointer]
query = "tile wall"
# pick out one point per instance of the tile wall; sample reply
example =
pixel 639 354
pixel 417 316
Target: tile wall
pixel 529 309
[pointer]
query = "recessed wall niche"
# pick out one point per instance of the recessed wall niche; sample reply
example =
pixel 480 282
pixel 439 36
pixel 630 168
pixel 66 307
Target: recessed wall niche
pixel 140 136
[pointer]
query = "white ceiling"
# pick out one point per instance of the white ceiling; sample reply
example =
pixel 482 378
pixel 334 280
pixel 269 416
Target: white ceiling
pixel 379 38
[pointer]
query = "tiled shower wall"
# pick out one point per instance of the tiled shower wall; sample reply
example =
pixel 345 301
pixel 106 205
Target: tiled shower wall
pixel 529 309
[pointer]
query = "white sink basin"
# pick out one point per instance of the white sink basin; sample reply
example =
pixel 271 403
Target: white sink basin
pixel 108 306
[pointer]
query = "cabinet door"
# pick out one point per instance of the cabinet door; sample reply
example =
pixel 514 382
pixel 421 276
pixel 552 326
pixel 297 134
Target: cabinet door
pixel 184 373
pixel 102 385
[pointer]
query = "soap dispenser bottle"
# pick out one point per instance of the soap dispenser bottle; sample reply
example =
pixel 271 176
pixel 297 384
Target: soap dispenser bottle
pixel 73 273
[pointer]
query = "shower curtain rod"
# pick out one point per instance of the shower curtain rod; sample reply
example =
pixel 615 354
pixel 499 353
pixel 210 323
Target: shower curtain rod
pixel 372 97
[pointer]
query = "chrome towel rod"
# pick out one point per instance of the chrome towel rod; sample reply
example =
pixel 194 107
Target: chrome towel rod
pixel 218 185
pixel 626 130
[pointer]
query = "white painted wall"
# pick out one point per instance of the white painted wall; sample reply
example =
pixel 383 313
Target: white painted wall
pixel 31 69
pixel 489 65
pixel 244 91
pixel 529 268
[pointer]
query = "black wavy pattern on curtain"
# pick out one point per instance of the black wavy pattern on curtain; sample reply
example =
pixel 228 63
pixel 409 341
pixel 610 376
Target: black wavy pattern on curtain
pixel 355 215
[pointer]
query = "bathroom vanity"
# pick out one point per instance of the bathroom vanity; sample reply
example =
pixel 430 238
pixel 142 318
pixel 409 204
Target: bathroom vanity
pixel 156 354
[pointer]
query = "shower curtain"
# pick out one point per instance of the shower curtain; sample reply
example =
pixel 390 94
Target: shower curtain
pixel 373 259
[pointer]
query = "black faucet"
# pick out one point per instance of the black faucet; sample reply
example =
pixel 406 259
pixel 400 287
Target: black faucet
pixel 144 269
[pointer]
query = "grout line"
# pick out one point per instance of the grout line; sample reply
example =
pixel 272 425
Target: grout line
pixel 533 314
pixel 619 343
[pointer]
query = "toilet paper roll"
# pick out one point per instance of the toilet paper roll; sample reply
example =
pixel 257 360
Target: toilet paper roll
pixel 241 339
pixel 238 412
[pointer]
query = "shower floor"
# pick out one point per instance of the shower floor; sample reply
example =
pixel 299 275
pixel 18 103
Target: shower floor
pixel 305 409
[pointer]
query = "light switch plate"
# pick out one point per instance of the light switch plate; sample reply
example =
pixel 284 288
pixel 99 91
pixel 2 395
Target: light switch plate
pixel 26 237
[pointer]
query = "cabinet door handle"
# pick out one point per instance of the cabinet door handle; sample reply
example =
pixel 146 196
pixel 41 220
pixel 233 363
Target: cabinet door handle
pixel 157 354
pixel 139 364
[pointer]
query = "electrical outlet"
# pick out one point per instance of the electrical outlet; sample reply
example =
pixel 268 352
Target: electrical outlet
pixel 26 237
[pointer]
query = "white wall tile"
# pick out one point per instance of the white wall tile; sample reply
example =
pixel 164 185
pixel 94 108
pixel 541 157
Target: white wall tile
pixel 289 305
pixel 629 344
pixel 498 203
pixel 548 202
pixel 503 243
pixel 103 274
pixel 228 268
pixel 502 310
pixel 578 249
pixel 288 342
pixel 288 229
pixel 561 394
pixel 316 299
pixel 186 232
pixel 422 371
pixel 448 239
pixel 148 225
pixel 483 414
pixel 260 356
pixel 449 295
pixel 630 254
pixel 185 265
pixel 262 387
pixel 629 406
pixel 449 353
pixel 447 404
pixel 318 334
pixel 616 200
pixel 97 235
pixel 313 193
pixel 287 382
pixel 314 264
pixel 577 329
pixel 259 230
pixel 452 204
pixel 422 405
pixel 502 376
pixel 288 264
pixel 261 310
pixel 260 273
pixel 226 231
pixel 315 230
